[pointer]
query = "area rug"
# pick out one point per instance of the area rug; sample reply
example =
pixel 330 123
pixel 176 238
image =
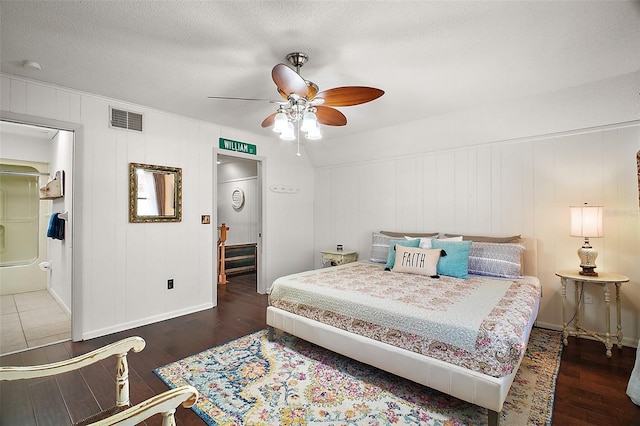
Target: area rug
pixel 252 381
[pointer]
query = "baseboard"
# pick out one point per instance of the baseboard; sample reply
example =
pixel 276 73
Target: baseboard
pixel 145 321
pixel 57 298
pixel 626 341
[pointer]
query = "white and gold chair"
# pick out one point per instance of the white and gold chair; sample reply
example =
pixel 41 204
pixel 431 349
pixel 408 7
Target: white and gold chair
pixel 121 413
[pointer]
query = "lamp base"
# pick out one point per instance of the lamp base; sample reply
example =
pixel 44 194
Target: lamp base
pixel 588 271
pixel 588 257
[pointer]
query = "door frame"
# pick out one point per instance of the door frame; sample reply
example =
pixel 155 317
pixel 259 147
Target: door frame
pixel 261 237
pixel 77 130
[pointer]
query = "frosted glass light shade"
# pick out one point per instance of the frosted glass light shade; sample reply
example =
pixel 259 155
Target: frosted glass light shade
pixel 586 221
pixel 280 122
pixel 288 134
pixel 309 121
pixel 314 133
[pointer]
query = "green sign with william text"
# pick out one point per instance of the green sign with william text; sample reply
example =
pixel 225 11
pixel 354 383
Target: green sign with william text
pixel 236 146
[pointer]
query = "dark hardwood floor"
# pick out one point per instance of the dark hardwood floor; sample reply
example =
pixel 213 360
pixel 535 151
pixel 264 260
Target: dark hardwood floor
pixel 590 390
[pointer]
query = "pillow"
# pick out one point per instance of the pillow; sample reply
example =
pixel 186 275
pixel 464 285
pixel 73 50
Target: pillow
pixel 425 243
pixel 379 248
pixel 496 259
pixel 391 258
pixel 445 238
pixel 485 239
pixel 416 260
pixel 455 262
pixel 411 234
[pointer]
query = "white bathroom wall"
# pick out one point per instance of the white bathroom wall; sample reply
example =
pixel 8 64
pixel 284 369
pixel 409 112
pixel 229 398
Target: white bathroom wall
pixel 120 269
pixel 60 252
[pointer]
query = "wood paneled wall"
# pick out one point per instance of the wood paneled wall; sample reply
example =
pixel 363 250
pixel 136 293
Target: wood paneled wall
pixel 521 187
pixel 120 269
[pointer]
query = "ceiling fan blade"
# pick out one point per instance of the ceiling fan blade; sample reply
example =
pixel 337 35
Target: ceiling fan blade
pixel 312 90
pixel 288 81
pixel 349 95
pixel 330 116
pixel 245 99
pixel 284 95
pixel 269 120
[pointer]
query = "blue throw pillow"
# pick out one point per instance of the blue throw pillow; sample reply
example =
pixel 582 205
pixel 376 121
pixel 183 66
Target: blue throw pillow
pixel 391 258
pixel 456 262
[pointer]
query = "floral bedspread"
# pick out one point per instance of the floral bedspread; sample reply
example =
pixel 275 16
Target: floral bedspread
pixel 478 323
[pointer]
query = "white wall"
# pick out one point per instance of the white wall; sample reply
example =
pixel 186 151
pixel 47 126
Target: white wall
pixel 60 253
pixel 601 103
pixel 121 268
pixel 508 181
pixel 242 222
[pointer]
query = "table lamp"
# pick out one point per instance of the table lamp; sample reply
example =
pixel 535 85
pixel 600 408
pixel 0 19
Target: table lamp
pixel 586 222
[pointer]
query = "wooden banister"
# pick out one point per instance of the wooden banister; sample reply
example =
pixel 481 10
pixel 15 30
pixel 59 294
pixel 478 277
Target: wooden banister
pixel 222 276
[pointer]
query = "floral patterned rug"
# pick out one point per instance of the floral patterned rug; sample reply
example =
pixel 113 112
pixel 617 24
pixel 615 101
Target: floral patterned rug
pixel 252 381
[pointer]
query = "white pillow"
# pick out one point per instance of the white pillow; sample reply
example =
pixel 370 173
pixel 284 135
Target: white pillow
pixel 451 238
pixel 425 243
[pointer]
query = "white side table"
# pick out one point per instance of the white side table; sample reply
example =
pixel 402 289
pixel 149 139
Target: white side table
pixel 603 280
pixel 338 257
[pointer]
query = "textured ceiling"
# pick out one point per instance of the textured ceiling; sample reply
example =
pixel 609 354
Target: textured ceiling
pixel 429 57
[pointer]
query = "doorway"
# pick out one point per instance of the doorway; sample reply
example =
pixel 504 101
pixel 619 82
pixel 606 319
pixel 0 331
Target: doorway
pixel 238 201
pixel 35 286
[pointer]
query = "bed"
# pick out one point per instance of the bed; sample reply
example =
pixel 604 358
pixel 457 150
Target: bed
pixel 407 334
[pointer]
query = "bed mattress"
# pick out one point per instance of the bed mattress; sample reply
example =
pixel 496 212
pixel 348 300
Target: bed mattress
pixel 480 323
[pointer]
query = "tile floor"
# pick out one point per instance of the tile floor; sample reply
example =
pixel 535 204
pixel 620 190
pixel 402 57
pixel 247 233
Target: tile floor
pixel 29 320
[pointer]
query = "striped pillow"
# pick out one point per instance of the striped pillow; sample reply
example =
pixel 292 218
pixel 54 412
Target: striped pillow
pixel 496 259
pixel 379 247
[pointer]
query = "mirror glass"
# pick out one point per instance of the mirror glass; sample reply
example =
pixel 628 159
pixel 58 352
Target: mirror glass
pixel 155 193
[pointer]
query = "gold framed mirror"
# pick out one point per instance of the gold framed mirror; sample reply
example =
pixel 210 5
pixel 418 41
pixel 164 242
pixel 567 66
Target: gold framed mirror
pixel 155 193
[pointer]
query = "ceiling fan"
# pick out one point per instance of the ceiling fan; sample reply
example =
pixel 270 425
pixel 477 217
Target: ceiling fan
pixel 303 103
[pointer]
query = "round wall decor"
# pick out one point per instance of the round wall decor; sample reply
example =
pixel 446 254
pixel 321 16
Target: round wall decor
pixel 237 198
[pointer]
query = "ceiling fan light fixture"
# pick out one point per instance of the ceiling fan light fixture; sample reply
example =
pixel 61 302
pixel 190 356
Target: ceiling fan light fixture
pixel 288 134
pixel 303 107
pixel 280 122
pixel 314 133
pixel 309 121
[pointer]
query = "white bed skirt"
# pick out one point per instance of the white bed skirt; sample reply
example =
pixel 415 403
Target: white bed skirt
pixel 476 388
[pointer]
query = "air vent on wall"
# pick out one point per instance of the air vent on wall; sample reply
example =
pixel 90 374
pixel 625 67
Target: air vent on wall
pixel 125 119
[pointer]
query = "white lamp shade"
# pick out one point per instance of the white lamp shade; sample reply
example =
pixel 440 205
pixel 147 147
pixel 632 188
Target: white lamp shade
pixel 288 134
pixel 314 133
pixel 280 122
pixel 586 221
pixel 309 121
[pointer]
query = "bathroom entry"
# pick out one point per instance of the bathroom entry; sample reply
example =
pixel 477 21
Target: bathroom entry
pixel 239 207
pixel 22 217
pixel 35 271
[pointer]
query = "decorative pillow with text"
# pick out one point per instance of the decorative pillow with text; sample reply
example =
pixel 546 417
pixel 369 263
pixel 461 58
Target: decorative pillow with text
pixel 393 244
pixel 418 261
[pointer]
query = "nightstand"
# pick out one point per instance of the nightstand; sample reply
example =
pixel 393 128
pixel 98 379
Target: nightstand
pixel 603 280
pixel 337 257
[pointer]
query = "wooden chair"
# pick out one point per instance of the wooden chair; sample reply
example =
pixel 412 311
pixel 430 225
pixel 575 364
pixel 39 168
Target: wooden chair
pixel 121 413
